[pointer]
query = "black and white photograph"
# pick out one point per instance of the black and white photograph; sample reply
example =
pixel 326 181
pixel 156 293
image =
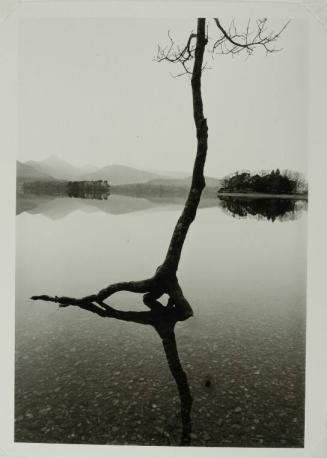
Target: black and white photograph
pixel 161 230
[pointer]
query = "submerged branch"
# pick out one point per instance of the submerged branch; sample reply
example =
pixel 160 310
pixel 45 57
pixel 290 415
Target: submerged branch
pixel 153 288
pixel 163 319
pixel 142 286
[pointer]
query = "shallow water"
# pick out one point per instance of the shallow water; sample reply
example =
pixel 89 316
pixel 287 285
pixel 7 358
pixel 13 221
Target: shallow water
pixel 85 379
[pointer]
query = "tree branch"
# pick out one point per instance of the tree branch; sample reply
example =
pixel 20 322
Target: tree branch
pixel 174 54
pixel 232 42
pixel 163 320
pixel 142 286
pixel 198 182
pixel 162 282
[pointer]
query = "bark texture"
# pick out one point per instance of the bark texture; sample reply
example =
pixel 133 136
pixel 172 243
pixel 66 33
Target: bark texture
pixel 198 182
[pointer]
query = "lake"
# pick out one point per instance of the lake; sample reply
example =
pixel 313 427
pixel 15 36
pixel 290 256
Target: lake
pixel 85 379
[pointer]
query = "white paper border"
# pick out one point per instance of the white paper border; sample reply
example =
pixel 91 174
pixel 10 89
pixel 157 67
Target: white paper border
pixel 316 371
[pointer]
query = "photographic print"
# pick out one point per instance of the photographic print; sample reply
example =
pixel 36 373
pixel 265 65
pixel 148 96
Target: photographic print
pixel 161 231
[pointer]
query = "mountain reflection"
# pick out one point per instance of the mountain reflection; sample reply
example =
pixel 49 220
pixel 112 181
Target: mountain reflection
pixel 58 206
pixel 272 209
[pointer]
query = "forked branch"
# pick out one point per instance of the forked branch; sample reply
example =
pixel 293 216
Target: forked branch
pixel 232 41
pixel 174 54
pixel 142 286
pixel 163 320
pixel 152 289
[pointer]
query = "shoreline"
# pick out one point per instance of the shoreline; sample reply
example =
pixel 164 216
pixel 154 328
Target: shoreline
pixel 261 195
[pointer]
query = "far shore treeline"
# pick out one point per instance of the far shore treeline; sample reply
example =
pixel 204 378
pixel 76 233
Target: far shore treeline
pixel 96 189
pixel 274 182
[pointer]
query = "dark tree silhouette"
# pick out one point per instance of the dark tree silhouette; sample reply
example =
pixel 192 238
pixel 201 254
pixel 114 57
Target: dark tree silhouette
pixel 163 320
pixel 274 182
pixel 261 208
pixel 83 189
pixel 164 280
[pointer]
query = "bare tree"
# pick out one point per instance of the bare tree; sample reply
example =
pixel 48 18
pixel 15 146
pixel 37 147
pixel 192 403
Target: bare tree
pixel 164 280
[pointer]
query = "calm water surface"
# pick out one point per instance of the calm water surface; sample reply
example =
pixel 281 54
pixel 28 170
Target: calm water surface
pixel 85 379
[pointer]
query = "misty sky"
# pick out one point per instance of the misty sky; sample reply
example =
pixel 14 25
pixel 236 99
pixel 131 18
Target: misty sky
pixel 90 92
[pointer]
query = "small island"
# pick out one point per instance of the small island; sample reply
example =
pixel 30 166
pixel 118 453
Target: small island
pixel 97 189
pixel 275 183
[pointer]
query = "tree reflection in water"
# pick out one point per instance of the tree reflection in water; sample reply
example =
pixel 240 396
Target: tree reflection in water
pixel 89 194
pixel 272 209
pixel 163 320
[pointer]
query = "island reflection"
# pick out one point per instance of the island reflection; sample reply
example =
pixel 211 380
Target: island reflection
pixel 271 209
pixel 58 206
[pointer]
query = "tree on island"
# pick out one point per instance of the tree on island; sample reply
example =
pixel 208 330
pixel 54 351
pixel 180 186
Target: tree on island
pixel 274 182
pixel 164 280
pixel 88 189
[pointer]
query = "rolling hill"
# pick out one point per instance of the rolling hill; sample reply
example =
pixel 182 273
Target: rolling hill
pixel 55 167
pixel 25 172
pixel 120 175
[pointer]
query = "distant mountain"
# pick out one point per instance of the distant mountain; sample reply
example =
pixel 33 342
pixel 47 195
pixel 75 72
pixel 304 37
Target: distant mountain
pixel 25 172
pixel 56 167
pixel 59 169
pixel 120 175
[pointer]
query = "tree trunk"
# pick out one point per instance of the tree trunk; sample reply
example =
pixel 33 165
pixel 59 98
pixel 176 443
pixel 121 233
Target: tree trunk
pixel 175 366
pixel 198 182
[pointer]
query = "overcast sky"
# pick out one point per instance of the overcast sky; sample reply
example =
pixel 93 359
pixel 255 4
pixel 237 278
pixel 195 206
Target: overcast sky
pixel 90 92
